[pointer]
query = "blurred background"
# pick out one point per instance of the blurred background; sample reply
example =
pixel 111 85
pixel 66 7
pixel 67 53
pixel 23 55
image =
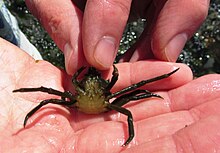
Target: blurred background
pixel 201 53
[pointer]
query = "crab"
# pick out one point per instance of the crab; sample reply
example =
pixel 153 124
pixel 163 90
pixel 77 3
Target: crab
pixel 93 93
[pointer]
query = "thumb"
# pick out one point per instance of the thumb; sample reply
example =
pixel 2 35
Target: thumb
pixel 176 23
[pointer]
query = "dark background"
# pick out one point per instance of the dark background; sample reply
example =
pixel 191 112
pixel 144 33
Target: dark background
pixel 201 53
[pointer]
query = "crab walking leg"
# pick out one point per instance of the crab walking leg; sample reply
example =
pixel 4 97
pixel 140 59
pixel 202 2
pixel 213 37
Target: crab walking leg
pixel 135 95
pixel 142 83
pixel 130 121
pixel 65 94
pixel 74 78
pixel 45 102
pixel 113 79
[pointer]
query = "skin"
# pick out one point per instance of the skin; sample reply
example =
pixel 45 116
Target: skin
pixel 187 120
pixel 170 24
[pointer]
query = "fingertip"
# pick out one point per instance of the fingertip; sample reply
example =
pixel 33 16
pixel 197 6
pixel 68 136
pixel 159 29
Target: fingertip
pixel 103 26
pixel 74 59
pixel 173 48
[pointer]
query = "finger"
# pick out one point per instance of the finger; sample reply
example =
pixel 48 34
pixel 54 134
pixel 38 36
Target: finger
pixel 176 23
pixel 200 97
pixel 131 73
pixel 103 25
pixel 197 92
pixel 62 20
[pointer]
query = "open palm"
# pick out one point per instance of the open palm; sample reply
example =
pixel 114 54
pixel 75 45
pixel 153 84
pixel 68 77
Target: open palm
pixel 187 119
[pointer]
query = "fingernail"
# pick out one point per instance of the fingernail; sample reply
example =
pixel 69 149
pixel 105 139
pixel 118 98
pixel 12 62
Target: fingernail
pixel 105 51
pixel 175 46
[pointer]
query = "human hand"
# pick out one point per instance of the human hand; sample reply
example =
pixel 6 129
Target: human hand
pixel 170 23
pixel 159 124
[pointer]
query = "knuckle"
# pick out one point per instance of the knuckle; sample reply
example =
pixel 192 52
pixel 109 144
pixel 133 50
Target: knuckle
pixel 199 10
pixel 202 9
pixel 54 24
pixel 118 6
pixel 123 5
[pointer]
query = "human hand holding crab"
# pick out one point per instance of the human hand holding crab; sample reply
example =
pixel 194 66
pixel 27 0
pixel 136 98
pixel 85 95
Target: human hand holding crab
pixel 171 124
pixel 92 36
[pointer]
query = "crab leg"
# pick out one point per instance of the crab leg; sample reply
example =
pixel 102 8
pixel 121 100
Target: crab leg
pixel 141 83
pixel 130 121
pixel 65 94
pixel 45 102
pixel 135 95
pixel 113 79
pixel 74 78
